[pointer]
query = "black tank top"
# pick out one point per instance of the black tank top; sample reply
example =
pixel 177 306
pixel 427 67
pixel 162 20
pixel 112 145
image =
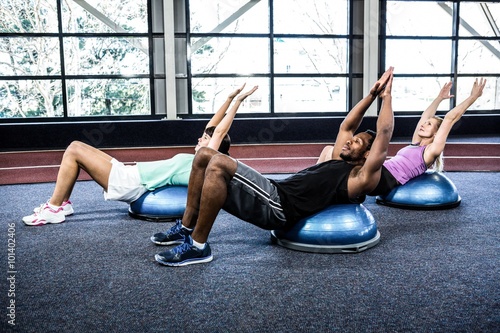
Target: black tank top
pixel 315 188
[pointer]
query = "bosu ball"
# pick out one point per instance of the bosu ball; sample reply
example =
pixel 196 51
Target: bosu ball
pixel 343 228
pixel 431 190
pixel 165 203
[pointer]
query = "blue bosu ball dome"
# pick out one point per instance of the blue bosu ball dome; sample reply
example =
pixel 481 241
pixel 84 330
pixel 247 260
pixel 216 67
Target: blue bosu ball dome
pixel 431 190
pixel 166 203
pixel 344 228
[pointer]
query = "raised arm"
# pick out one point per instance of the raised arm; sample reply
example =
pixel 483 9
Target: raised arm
pixel 225 124
pixel 353 119
pixel 219 115
pixel 434 149
pixel 431 109
pixel 385 127
pixel 368 176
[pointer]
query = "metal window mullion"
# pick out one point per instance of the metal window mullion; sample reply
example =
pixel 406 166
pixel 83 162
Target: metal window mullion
pixel 189 74
pixel 350 54
pixel 152 90
pixel 454 50
pixel 370 50
pixel 62 62
pixel 271 57
pixel 169 41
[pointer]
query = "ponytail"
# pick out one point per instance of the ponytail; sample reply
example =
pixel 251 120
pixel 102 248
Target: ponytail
pixel 438 165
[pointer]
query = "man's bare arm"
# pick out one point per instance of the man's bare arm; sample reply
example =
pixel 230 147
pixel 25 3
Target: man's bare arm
pixel 368 176
pixel 353 119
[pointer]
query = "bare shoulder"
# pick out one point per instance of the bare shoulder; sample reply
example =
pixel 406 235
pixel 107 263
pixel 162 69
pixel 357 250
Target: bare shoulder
pixel 354 182
pixel 356 172
pixel 361 182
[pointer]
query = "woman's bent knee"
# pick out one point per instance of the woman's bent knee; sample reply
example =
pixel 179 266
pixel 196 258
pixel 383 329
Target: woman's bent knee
pixel 75 149
pixel 75 145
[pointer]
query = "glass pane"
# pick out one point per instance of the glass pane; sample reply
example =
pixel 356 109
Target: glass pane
pixel 478 56
pixel 95 16
pixel 28 16
pixel 412 18
pixel 106 55
pixel 230 55
pixel 479 18
pixel 116 97
pixel 157 16
pixel 210 93
pixel 417 93
pixel 311 17
pixel 310 94
pixel 30 98
pixel 158 56
pixel 180 62
pixel 160 100
pixel 182 98
pixel 29 56
pixel 490 100
pixel 419 56
pixel 229 16
pixel 312 55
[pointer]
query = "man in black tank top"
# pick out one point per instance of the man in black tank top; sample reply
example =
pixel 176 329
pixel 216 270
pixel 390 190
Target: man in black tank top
pixel 220 182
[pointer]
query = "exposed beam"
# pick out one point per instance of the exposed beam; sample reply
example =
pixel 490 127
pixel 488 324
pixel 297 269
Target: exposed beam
pixel 236 15
pixel 473 32
pixel 489 17
pixel 107 21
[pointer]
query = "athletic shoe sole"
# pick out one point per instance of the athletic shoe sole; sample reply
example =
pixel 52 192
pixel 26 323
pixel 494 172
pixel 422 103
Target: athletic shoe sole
pixel 41 222
pixel 175 242
pixel 185 262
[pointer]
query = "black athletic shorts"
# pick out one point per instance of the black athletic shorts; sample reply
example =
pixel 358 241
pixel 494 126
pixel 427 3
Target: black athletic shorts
pixel 254 199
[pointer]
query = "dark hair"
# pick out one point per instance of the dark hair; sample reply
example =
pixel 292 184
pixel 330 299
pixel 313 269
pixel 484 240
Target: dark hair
pixel 225 143
pixel 373 134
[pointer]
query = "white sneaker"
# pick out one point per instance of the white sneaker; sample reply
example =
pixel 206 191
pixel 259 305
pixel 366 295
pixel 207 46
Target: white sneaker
pixel 66 205
pixel 45 215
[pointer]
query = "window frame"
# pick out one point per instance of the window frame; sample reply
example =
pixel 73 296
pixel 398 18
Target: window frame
pixel 455 39
pixel 182 91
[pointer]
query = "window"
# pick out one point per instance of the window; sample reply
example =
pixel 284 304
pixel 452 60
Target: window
pixel 296 51
pixel 434 42
pixel 93 61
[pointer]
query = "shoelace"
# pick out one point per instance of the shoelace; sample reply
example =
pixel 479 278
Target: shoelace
pixel 175 229
pixel 39 210
pixel 46 204
pixel 184 247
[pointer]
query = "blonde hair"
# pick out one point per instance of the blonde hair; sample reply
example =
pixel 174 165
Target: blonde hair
pixel 438 164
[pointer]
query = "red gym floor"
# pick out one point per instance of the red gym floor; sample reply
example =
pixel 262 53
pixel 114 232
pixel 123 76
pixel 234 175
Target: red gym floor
pixel 42 166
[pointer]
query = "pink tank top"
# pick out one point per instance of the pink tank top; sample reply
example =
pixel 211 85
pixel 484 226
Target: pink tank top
pixel 407 164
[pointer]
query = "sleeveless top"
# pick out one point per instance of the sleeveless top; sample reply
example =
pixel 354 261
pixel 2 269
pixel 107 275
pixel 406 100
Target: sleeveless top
pixel 407 164
pixel 174 171
pixel 315 188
